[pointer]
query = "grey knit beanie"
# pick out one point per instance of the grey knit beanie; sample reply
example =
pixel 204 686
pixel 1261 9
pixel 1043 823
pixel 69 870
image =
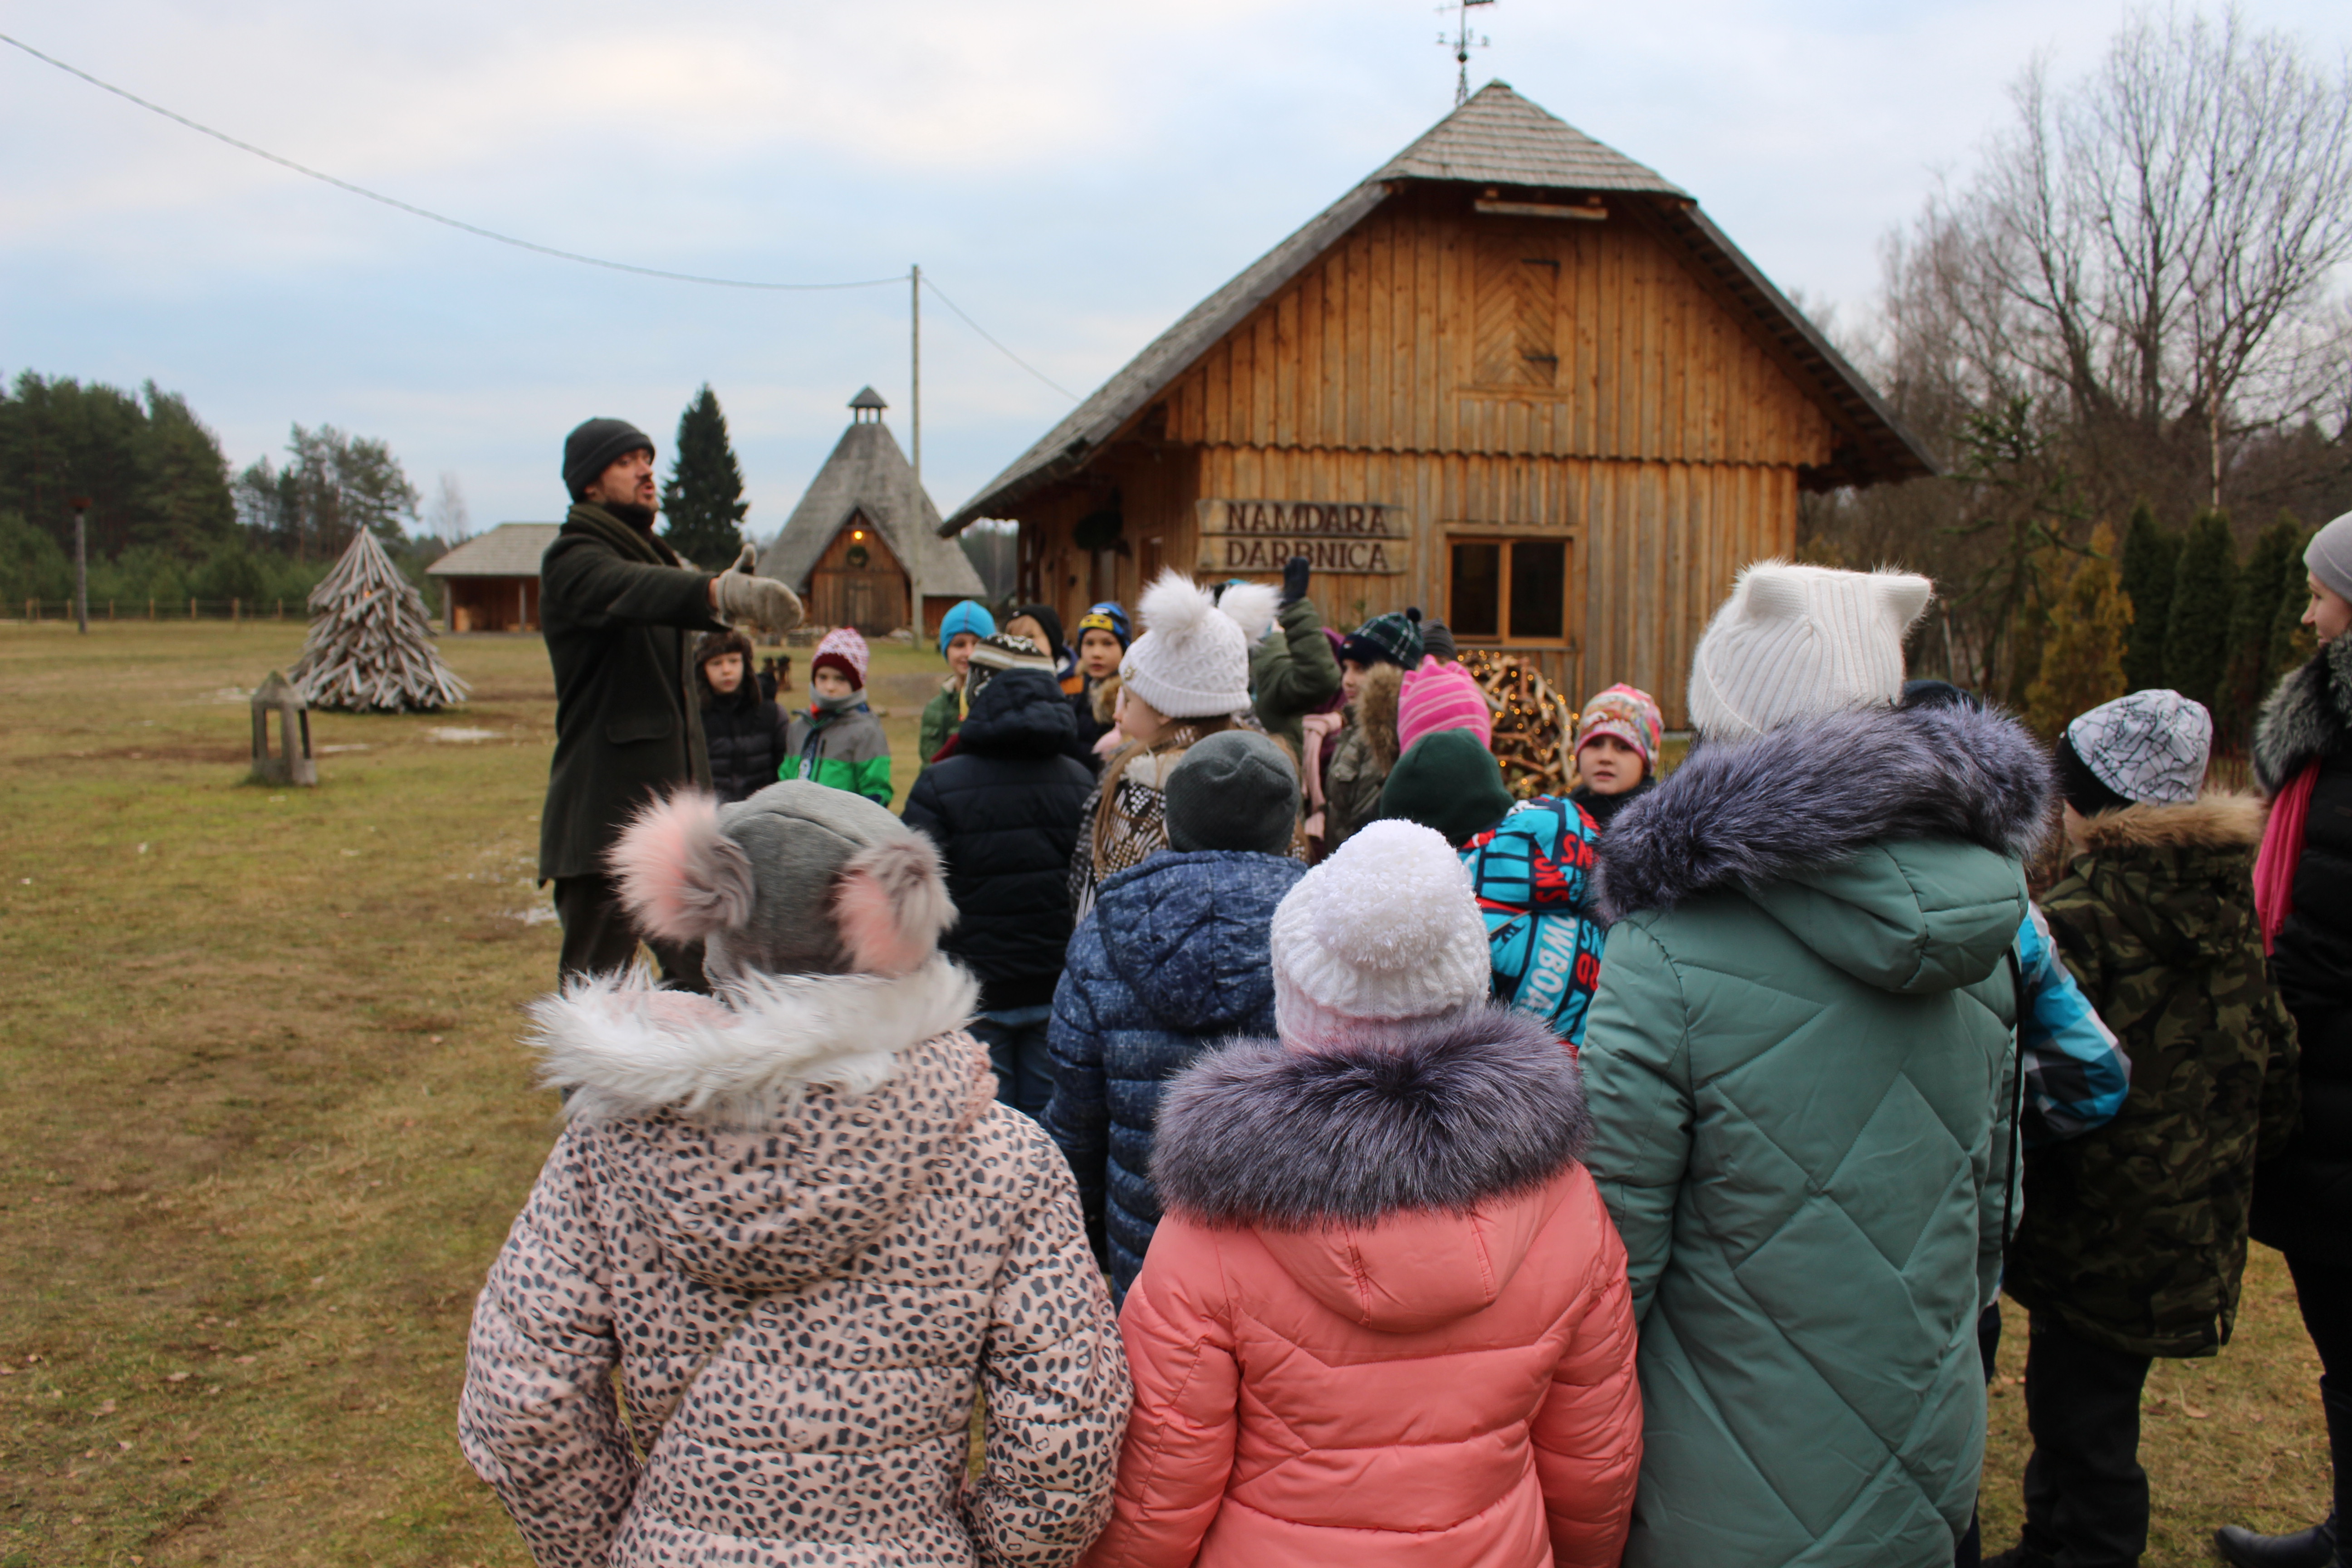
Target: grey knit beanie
pixel 2328 556
pixel 1235 790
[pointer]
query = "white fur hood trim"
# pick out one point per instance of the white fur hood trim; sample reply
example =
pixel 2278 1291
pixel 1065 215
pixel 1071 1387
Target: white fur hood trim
pixel 624 1048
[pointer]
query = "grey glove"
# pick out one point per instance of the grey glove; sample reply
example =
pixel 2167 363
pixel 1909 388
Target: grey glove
pixel 761 601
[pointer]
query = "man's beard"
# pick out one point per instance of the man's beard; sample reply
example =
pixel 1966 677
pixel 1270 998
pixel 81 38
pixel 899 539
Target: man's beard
pixel 640 518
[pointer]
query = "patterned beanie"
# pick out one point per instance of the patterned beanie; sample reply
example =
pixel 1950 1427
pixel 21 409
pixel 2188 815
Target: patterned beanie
pixel 2149 748
pixel 1441 697
pixel 1802 642
pixel 1393 638
pixel 1629 714
pixel 842 649
pixel 1385 931
pixel 997 653
pixel 1437 642
pixel 1108 616
pixel 1193 661
pixel 966 616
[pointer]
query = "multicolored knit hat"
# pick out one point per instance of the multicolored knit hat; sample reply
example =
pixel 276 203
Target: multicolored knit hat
pixel 1629 714
pixel 1108 616
pixel 842 649
pixel 1441 697
pixel 1393 638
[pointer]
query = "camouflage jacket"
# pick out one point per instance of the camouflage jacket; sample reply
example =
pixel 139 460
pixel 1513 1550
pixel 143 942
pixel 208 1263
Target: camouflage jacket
pixel 2133 1235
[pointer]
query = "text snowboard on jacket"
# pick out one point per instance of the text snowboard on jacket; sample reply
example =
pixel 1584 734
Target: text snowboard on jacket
pixel 1799 1063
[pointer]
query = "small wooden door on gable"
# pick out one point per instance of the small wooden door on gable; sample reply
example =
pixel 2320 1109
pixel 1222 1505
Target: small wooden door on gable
pixel 858 581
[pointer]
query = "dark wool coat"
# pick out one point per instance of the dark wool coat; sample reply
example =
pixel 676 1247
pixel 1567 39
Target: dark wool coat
pixel 1171 959
pixel 1004 811
pixel 746 736
pixel 2134 1234
pixel 1799 1063
pixel 615 607
pixel 2303 1200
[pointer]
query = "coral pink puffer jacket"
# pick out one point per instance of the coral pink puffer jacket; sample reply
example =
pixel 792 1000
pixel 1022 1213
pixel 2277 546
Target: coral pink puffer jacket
pixel 1386 1319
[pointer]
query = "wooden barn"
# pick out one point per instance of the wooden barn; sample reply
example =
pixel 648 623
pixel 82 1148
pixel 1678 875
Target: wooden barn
pixel 490 583
pixel 865 544
pixel 1513 377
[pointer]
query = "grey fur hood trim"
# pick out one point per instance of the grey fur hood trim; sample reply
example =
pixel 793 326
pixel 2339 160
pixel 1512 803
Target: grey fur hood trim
pixel 626 1047
pixel 2308 715
pixel 1752 812
pixel 1441 1114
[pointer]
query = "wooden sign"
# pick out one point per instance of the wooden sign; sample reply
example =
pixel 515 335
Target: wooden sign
pixel 1242 536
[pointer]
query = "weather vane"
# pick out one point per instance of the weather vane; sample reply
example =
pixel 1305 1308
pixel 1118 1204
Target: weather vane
pixel 1463 41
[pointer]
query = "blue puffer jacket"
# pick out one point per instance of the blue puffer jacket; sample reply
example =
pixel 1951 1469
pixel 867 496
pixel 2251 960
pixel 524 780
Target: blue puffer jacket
pixel 1170 959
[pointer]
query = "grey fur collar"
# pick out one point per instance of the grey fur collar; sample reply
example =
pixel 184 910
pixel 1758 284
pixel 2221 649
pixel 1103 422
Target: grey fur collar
pixel 1750 812
pixel 1443 1114
pixel 624 1047
pixel 2309 715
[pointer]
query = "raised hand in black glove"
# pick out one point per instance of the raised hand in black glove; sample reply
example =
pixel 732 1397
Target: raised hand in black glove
pixel 1294 581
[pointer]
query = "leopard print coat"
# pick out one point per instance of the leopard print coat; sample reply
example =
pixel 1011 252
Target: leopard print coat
pixel 803 1233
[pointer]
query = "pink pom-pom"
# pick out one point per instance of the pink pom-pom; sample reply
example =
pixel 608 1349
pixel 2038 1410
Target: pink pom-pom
pixel 892 904
pixel 680 876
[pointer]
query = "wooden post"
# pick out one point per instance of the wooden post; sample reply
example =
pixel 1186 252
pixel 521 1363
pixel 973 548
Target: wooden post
pixel 191 609
pixel 232 612
pixel 80 505
pixel 151 609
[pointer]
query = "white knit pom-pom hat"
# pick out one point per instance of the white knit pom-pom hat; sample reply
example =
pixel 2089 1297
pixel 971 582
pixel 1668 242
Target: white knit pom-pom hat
pixel 1193 661
pixel 1385 931
pixel 1800 642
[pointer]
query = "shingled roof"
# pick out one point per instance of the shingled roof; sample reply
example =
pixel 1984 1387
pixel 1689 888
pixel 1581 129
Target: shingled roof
pixel 1498 138
pixel 509 550
pixel 868 473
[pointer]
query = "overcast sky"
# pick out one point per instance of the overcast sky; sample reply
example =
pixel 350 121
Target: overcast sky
pixel 1075 177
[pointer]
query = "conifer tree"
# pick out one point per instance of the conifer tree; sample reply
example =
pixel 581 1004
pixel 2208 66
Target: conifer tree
pixel 2150 558
pixel 2291 642
pixel 2204 589
pixel 2247 670
pixel 2082 651
pixel 703 497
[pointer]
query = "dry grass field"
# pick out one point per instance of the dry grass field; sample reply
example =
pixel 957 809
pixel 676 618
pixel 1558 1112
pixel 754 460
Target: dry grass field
pixel 263 1123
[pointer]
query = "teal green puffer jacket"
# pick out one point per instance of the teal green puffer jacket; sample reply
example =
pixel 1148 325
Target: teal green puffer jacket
pixel 1799 1064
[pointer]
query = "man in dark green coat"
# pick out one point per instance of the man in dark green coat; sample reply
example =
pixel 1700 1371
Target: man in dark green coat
pixel 617 606
pixel 1799 1064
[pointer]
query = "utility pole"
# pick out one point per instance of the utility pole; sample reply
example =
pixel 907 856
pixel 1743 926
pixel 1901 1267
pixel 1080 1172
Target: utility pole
pixel 80 505
pixel 915 403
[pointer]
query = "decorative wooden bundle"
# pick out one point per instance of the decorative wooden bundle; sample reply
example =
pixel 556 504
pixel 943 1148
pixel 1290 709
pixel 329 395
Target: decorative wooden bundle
pixel 1534 725
pixel 370 645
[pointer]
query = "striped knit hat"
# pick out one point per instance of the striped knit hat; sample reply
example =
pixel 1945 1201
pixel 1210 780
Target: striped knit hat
pixel 1441 697
pixel 842 649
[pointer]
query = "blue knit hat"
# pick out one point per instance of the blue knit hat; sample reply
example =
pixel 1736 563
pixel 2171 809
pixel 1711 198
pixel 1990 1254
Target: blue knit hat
pixel 1108 616
pixel 969 615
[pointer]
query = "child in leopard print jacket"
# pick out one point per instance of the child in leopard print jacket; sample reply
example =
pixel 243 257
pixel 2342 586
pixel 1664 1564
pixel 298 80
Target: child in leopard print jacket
pixel 795 1220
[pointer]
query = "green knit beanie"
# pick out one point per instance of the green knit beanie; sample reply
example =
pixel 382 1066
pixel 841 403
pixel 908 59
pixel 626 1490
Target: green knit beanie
pixel 1449 781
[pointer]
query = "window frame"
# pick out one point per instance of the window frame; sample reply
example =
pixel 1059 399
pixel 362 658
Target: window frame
pixel 1506 535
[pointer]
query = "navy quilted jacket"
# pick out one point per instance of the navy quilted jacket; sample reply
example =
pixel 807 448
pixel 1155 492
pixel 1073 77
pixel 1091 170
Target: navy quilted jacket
pixel 1170 959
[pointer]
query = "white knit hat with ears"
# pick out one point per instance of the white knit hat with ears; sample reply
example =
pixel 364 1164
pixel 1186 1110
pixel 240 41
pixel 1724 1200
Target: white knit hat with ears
pixel 1193 661
pixel 1384 932
pixel 1799 642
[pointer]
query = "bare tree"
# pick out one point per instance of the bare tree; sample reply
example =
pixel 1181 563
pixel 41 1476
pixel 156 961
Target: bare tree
pixel 445 516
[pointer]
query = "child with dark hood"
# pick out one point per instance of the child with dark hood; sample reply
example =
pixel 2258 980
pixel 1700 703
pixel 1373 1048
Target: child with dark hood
pixel 748 734
pixel 1043 627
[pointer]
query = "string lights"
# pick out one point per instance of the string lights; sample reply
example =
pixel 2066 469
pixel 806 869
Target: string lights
pixel 1533 724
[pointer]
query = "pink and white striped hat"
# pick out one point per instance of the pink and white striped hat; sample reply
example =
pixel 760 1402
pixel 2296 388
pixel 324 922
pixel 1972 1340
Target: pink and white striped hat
pixel 1441 697
pixel 844 650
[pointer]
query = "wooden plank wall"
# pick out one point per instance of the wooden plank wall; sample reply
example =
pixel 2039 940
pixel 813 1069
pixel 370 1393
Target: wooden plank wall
pixel 1661 437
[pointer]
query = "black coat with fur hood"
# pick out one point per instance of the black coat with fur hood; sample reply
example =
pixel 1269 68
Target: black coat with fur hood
pixel 2303 1200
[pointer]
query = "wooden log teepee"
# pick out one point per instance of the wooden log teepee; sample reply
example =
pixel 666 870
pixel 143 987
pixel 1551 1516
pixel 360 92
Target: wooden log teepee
pixel 370 645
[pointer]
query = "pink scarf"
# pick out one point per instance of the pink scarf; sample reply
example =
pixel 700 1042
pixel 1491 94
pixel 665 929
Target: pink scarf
pixel 2281 852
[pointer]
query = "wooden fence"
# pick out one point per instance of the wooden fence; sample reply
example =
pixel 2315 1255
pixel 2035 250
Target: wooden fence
pixel 30 610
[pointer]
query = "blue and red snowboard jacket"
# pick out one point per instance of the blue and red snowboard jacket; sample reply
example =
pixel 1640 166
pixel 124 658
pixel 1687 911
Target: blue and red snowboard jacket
pixel 1533 874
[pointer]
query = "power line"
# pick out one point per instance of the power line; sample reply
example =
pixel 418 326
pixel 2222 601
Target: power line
pixel 450 222
pixel 1000 348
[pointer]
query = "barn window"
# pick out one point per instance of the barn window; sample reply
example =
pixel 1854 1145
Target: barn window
pixel 1508 590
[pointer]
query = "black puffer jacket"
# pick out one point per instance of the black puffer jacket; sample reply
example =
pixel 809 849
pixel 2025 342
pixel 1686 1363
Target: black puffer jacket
pixel 1004 810
pixel 2303 1201
pixel 745 734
